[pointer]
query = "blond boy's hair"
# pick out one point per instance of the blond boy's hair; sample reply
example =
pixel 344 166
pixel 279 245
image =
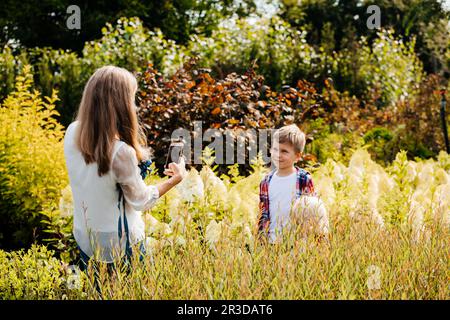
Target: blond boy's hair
pixel 291 134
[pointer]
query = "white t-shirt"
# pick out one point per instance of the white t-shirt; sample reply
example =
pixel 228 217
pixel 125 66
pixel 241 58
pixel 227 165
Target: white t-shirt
pixel 95 199
pixel 281 198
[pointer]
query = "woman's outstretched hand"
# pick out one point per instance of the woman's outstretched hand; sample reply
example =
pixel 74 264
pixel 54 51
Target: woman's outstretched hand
pixel 176 170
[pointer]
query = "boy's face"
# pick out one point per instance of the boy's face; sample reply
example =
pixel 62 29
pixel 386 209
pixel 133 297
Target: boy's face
pixel 283 155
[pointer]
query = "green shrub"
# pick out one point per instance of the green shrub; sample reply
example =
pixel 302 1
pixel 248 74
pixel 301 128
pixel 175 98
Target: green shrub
pixel 411 142
pixel 6 71
pixel 384 144
pixel 391 67
pixel 32 274
pixel 281 52
pixel 130 45
pixel 32 168
pixel 388 70
pixel 126 44
pixel 329 143
pixel 377 139
pixel 63 71
pixel 11 63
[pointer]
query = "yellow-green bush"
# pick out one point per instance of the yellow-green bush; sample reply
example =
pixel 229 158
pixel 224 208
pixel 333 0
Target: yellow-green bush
pixel 32 169
pixel 31 274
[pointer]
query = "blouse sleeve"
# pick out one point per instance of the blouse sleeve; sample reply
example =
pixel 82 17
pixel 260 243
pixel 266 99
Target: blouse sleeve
pixel 125 168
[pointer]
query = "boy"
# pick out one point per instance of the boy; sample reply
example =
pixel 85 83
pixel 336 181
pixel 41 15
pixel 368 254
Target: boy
pixel 280 190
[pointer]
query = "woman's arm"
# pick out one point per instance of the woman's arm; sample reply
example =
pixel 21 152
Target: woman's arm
pixel 176 172
pixel 138 194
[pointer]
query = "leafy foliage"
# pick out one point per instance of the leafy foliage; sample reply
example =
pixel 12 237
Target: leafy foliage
pixel 32 274
pixel 385 71
pixel 281 52
pixel 126 44
pixel 130 45
pixel 423 20
pixel 390 66
pixel 238 102
pixel 32 170
pixel 44 25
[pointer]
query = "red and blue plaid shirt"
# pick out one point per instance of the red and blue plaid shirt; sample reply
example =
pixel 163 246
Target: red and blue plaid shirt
pixel 304 186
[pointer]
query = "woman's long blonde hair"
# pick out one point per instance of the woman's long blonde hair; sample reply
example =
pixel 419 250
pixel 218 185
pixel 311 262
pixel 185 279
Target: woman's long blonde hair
pixel 107 111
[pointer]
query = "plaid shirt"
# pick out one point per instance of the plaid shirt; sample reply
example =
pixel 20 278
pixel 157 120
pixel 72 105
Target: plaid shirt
pixel 304 186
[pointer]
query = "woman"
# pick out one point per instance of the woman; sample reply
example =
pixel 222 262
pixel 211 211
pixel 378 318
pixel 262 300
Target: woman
pixel 103 147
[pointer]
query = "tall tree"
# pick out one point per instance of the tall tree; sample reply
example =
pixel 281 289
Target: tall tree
pixel 426 20
pixel 43 23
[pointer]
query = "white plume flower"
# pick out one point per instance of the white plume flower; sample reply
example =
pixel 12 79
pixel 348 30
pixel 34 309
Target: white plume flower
pixel 174 207
pixel 214 186
pixel 442 177
pixel 191 187
pixel 416 219
pixel 426 176
pixel 376 217
pixel 248 234
pixel 151 223
pixel 385 183
pixel 411 170
pixel 151 244
pixel 324 186
pixel 157 228
pixel 442 204
pixel 213 232
pixel 339 171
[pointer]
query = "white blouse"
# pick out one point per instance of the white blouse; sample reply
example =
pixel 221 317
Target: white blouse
pixel 96 212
